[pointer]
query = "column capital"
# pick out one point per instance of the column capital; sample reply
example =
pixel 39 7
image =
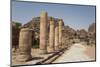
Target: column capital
pixel 52 22
pixel 43 13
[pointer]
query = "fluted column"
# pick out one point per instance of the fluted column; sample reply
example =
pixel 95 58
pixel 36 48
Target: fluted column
pixel 51 36
pixel 25 44
pixel 43 32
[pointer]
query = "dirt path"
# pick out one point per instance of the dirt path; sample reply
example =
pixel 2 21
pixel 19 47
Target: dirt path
pixel 75 53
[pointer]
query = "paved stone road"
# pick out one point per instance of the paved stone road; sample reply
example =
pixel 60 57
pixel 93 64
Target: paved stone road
pixel 74 54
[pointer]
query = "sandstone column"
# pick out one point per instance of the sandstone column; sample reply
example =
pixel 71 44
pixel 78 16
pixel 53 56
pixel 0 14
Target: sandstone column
pixel 51 36
pixel 56 38
pixel 60 32
pixel 43 32
pixel 25 44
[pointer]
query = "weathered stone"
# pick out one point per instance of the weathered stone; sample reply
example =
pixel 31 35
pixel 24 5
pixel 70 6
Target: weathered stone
pixel 43 32
pixel 51 36
pixel 60 32
pixel 56 38
pixel 25 44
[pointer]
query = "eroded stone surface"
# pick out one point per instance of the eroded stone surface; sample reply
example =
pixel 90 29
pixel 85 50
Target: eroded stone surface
pixel 51 36
pixel 25 44
pixel 43 32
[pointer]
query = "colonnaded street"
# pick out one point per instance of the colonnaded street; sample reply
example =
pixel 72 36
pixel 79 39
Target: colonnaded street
pixel 46 40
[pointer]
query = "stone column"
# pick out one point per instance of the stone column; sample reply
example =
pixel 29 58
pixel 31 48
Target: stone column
pixel 25 44
pixel 43 32
pixel 60 32
pixel 51 36
pixel 56 38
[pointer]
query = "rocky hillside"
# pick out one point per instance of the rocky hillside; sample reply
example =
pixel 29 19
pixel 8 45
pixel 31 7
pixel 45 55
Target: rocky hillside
pixel 73 36
pixel 35 22
pixel 69 34
pixel 35 25
pixel 92 28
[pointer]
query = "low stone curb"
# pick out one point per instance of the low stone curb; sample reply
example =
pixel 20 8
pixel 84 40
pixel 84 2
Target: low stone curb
pixel 51 58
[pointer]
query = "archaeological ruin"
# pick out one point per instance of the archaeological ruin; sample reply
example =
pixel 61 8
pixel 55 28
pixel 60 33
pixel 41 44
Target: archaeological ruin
pixel 44 37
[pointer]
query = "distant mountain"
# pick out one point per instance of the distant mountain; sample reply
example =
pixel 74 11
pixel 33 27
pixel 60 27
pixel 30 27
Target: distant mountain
pixel 92 27
pixel 35 22
pixel 69 34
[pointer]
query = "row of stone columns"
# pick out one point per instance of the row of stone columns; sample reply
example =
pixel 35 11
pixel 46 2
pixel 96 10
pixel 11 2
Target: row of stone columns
pixel 55 38
pixel 55 34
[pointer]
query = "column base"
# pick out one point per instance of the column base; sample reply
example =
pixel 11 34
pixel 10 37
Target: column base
pixel 57 48
pixel 41 51
pixel 50 50
pixel 23 58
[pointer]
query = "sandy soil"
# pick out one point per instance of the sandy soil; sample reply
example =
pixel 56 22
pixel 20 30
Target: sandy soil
pixel 77 52
pixel 90 51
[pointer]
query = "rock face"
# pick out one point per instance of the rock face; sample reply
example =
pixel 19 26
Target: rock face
pixel 72 36
pixel 81 34
pixel 68 31
pixel 92 28
pixel 68 36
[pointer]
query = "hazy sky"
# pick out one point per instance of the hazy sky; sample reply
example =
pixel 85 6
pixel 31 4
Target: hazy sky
pixel 76 16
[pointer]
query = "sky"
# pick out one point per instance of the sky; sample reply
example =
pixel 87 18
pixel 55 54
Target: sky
pixel 75 16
